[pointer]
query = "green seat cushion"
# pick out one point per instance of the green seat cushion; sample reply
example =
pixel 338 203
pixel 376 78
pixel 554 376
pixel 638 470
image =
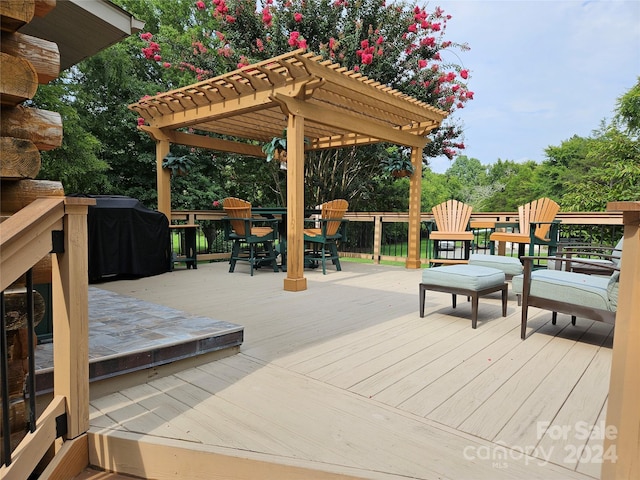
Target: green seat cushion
pixel 575 288
pixel 470 277
pixel 509 265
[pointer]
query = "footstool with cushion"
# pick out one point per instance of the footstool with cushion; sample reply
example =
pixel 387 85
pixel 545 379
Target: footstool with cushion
pixel 470 280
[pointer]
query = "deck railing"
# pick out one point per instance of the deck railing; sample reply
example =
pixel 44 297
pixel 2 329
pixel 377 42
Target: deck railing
pixel 382 236
pixel 57 226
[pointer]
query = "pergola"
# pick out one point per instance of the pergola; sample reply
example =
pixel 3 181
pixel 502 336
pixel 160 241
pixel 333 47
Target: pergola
pixel 314 99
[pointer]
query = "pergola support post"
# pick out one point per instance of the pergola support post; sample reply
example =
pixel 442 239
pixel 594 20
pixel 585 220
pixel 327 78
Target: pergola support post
pixel 415 194
pixel 163 178
pixel 295 280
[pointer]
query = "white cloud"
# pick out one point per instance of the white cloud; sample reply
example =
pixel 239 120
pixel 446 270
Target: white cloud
pixel 542 71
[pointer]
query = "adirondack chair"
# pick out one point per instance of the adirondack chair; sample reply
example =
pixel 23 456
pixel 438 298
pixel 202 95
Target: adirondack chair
pixel 536 226
pixel 252 237
pixel 329 228
pixel 451 225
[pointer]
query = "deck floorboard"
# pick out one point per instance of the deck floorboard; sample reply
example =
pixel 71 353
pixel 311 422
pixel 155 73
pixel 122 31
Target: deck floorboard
pixel 346 375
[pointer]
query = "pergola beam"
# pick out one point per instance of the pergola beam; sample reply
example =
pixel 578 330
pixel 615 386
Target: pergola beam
pixel 347 121
pixel 217 144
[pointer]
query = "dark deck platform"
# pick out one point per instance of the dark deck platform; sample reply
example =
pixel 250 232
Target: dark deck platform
pixel 128 335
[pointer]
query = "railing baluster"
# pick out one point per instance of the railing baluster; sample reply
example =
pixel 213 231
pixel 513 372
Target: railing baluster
pixel 4 373
pixel 31 384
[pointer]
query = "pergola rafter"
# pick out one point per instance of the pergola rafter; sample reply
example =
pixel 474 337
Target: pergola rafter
pixel 320 104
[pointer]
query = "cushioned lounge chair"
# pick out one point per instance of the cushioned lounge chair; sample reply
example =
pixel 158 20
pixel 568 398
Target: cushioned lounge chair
pixel 593 297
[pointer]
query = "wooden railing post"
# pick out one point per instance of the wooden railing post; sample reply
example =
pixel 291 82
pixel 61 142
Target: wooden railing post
pixel 621 451
pixel 70 289
pixel 377 238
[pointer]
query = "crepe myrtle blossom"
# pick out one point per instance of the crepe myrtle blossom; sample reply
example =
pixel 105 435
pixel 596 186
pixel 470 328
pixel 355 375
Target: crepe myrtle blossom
pixel 399 44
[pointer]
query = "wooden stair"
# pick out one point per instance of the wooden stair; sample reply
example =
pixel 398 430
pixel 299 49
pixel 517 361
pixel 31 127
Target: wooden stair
pixel 92 474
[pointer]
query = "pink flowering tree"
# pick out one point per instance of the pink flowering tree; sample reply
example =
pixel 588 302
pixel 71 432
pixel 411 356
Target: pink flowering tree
pixel 396 43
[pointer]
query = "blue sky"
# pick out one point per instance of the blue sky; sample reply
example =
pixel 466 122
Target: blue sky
pixel 542 71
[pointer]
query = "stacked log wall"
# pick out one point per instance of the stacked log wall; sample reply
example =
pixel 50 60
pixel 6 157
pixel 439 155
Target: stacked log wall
pixel 25 63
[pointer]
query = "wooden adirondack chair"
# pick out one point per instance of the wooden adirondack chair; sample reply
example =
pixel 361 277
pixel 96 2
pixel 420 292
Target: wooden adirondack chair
pixel 536 226
pixel 248 235
pixel 452 225
pixel 322 240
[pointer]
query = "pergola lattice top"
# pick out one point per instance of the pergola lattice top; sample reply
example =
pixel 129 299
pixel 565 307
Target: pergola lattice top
pixel 341 107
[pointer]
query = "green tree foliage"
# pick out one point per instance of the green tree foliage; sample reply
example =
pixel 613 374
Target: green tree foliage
pixel 586 173
pixel 77 163
pixel 399 45
pixel 628 110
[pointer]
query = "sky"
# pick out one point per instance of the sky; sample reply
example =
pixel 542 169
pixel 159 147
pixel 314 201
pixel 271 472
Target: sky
pixel 542 71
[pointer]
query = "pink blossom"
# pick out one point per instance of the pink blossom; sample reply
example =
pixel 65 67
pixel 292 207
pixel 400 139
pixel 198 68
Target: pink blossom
pixel 332 43
pixel 469 95
pixel 380 40
pixel 141 121
pixel 146 36
pixel 230 19
pixel 302 44
pixel 166 65
pixel 293 38
pixel 412 28
pixel 356 68
pixel 266 17
pixel 260 45
pixel 297 17
pixel 464 74
pixel 422 63
pixel 367 58
pixel 200 5
pixel 157 58
pixel 435 27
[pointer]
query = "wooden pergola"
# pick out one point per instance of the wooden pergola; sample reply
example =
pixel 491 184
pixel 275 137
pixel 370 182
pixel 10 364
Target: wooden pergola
pixel 314 99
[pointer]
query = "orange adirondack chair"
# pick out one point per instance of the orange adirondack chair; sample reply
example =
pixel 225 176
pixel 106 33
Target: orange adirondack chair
pixel 452 225
pixel 248 237
pixel 326 235
pixel 535 227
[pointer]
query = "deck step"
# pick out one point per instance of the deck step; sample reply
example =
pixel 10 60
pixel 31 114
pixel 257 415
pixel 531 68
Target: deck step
pixel 92 474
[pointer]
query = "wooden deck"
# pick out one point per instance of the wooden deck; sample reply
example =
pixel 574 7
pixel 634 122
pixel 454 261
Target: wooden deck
pixel 345 378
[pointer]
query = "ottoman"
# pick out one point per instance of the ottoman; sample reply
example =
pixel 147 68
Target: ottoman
pixel 471 280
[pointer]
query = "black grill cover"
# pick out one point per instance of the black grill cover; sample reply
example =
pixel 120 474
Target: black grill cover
pixel 126 238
